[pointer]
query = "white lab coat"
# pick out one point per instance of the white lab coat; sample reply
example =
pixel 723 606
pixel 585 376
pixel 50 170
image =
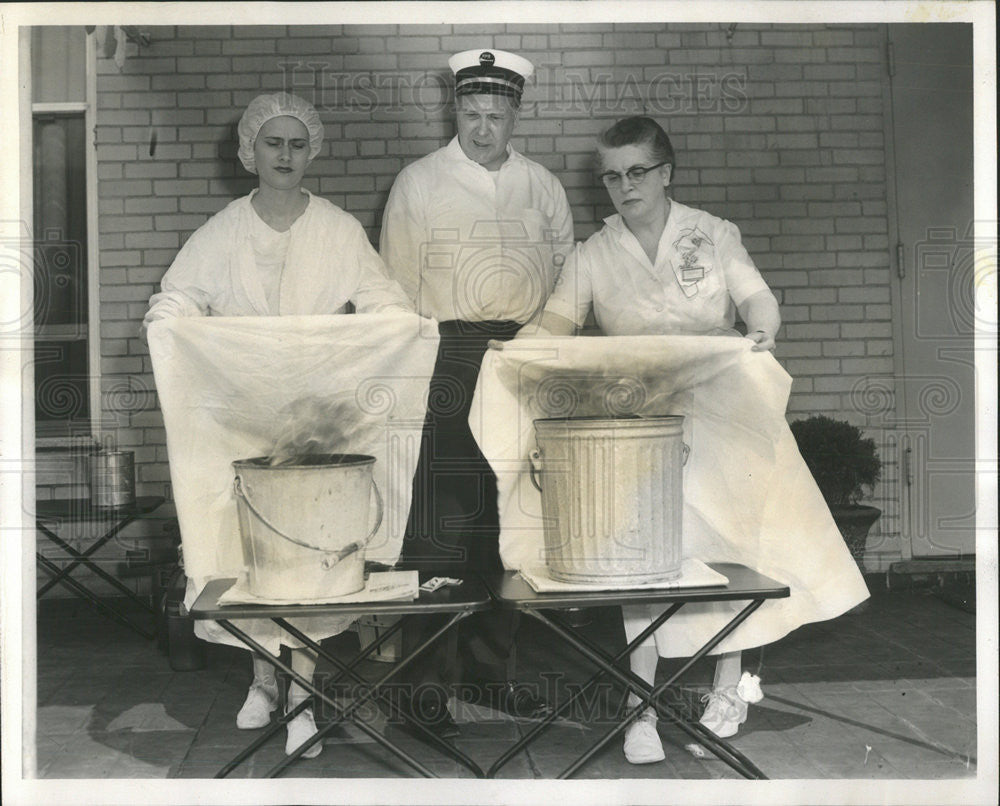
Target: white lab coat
pixel 329 263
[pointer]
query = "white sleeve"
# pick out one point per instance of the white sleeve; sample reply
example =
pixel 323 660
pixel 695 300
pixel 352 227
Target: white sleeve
pixel 562 223
pixel 376 291
pixel 187 286
pixel 403 232
pixel 573 293
pixel 742 277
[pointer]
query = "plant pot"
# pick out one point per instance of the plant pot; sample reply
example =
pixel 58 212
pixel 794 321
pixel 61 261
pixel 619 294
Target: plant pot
pixel 854 522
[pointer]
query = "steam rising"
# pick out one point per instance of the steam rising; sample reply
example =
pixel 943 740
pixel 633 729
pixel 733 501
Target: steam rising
pixel 580 393
pixel 315 425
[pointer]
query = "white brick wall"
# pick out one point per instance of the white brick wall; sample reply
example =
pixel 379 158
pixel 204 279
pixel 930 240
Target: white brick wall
pixel 778 128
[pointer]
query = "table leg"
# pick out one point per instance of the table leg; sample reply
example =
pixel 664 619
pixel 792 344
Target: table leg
pixel 372 692
pixel 263 739
pixel 652 695
pixel 722 749
pixel 91 597
pixel 686 722
pixel 548 720
pixel 84 558
pixel 307 684
pixel 340 713
pixel 284 719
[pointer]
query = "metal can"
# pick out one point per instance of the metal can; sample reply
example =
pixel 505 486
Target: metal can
pixel 112 478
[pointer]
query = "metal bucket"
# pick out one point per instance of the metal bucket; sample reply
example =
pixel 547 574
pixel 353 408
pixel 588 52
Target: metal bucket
pixel 112 478
pixel 304 524
pixel 612 497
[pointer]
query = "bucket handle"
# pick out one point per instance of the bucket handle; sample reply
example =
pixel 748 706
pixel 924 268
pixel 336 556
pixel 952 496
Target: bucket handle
pixel 332 557
pixel 535 462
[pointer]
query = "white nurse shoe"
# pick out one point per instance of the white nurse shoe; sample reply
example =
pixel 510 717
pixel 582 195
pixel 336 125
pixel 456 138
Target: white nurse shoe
pixel 727 706
pixel 725 712
pixel 642 742
pixel 300 730
pixel 262 699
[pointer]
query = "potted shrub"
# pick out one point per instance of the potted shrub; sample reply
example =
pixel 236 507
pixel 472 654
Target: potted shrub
pixel 845 465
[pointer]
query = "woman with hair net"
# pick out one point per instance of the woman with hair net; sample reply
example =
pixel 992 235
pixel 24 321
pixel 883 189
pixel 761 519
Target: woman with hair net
pixel 278 251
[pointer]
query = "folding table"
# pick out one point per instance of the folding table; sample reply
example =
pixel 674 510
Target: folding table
pixel 511 591
pixel 80 510
pixel 459 601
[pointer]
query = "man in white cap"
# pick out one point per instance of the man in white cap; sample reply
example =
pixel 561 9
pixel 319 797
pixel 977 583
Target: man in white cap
pixel 475 233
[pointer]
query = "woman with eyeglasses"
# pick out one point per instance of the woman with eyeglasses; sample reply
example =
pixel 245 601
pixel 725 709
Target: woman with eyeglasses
pixel 659 267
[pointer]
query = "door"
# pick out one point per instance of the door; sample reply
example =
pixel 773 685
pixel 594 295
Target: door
pixel 932 139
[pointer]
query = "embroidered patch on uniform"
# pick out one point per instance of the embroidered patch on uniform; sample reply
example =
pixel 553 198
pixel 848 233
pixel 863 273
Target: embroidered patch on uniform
pixel 691 273
pixel 691 247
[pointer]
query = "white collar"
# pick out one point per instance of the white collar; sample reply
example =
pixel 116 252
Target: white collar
pixel 677 212
pixel 454 151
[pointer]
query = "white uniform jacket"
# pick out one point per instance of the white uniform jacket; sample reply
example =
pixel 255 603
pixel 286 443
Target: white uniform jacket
pixel 702 270
pixel 465 243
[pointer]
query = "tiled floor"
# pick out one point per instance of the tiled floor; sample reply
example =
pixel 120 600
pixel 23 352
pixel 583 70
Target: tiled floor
pixel 885 693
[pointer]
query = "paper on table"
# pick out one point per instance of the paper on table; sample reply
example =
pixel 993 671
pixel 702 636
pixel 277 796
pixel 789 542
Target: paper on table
pixel 694 574
pixel 380 586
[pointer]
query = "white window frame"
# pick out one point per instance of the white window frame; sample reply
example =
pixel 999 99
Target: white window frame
pixel 89 109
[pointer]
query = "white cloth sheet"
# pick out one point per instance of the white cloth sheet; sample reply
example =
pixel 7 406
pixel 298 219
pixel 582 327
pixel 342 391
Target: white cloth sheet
pixel 748 496
pixel 225 386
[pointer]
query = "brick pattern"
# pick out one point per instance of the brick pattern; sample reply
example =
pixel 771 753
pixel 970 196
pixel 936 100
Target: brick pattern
pixel 778 128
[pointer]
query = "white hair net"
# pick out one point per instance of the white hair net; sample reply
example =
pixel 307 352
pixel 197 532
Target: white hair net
pixel 262 109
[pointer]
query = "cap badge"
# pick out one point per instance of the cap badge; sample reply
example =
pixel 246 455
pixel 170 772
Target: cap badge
pixel 486 59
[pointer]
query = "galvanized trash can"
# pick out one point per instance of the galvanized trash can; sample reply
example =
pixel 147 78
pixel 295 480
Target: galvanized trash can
pixel 612 497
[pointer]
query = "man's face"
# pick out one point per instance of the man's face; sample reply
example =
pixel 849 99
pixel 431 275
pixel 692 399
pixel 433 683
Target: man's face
pixel 485 124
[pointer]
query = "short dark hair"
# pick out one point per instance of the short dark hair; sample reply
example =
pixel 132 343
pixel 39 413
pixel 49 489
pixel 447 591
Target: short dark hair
pixel 639 130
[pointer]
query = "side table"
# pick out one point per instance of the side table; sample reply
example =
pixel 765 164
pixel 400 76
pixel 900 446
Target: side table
pixel 79 510
pixel 511 591
pixel 458 602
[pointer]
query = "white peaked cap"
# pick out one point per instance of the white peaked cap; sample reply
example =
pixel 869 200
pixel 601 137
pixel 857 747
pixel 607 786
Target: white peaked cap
pixel 485 70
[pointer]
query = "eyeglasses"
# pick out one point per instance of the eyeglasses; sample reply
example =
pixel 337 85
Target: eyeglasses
pixel 635 174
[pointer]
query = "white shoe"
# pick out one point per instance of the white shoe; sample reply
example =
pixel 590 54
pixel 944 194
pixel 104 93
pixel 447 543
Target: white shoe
pixel 262 698
pixel 300 730
pixel 725 712
pixel 642 742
